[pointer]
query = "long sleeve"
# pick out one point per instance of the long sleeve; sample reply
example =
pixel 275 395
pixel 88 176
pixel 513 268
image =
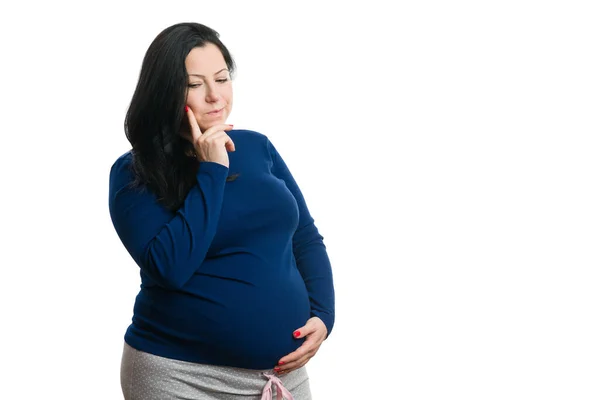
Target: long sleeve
pixel 168 246
pixel 309 250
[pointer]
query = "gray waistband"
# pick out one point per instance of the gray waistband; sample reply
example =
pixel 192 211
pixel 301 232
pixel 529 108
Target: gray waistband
pixel 147 376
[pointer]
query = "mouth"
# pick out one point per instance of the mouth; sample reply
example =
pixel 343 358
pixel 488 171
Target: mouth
pixel 216 112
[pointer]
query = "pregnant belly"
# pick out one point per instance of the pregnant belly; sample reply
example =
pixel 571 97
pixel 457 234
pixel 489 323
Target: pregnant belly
pixel 228 321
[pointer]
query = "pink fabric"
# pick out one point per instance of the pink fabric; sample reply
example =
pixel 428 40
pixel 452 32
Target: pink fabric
pixel 282 392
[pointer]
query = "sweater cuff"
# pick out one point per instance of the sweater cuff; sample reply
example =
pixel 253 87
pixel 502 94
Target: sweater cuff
pixel 327 319
pixel 213 168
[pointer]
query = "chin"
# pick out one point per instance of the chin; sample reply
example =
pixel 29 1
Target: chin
pixel 208 125
pixel 219 121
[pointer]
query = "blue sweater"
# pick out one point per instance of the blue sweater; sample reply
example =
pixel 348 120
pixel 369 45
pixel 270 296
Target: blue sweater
pixel 227 278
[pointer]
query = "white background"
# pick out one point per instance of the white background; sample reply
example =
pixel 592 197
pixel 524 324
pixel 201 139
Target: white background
pixel 448 151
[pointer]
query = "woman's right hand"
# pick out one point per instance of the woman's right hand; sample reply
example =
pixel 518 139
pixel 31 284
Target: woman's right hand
pixel 213 144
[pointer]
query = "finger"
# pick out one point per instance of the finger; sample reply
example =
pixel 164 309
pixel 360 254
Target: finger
pixel 287 371
pixel 312 325
pixel 308 328
pixel 229 145
pixel 194 127
pixel 215 133
pixel 299 366
pixel 297 361
pixel 309 348
pixel 296 364
pixel 219 137
pixel 314 328
pixel 217 128
pixel 306 348
pixel 301 332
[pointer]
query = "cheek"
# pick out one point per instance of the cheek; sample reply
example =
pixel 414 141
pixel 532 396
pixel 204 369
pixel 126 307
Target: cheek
pixel 193 102
pixel 228 95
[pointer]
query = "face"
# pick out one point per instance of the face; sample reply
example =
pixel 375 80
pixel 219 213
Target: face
pixel 209 92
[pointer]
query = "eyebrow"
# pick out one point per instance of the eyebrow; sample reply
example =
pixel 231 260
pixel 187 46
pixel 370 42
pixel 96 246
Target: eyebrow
pixel 202 76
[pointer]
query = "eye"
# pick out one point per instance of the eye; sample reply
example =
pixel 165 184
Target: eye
pixel 223 80
pixel 194 85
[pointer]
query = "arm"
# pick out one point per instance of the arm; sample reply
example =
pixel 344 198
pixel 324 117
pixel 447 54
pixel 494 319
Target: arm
pixel 310 252
pixel 169 247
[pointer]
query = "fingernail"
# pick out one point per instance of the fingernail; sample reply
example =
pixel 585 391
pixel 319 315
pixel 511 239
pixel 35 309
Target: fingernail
pixel 230 125
pixel 281 363
pixel 187 108
pixel 277 369
pixel 297 333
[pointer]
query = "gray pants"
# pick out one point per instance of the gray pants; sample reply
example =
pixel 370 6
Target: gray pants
pixel 146 376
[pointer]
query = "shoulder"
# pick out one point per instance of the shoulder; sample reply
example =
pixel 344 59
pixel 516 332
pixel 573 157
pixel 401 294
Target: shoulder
pixel 122 164
pixel 247 135
pixel 253 140
pixel 121 173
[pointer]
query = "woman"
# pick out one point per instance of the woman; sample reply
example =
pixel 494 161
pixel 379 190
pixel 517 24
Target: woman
pixel 237 291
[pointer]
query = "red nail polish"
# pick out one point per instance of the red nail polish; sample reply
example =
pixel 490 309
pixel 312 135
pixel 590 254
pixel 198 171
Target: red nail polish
pixel 277 369
pixel 281 363
pixel 297 333
pixel 187 108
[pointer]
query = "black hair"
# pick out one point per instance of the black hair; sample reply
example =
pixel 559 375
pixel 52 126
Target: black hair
pixel 156 113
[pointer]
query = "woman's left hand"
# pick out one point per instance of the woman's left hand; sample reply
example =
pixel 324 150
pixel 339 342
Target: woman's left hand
pixel 315 333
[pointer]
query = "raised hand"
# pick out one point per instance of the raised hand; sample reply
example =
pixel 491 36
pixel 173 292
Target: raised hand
pixel 212 144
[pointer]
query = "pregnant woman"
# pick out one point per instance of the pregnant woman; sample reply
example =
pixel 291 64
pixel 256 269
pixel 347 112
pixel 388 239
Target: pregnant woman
pixel 236 288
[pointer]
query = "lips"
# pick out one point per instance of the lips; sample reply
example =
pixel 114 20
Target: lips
pixel 215 111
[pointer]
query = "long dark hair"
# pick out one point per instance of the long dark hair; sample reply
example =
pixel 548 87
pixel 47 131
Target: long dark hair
pixel 155 116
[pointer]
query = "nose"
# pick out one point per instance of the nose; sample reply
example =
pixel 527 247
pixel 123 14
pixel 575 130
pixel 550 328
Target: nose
pixel 212 94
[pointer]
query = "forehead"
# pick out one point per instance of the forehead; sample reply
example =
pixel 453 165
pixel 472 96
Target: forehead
pixel 204 60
